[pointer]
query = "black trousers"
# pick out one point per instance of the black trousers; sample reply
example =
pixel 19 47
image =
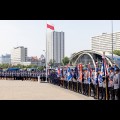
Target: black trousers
pixel 100 93
pixel 104 93
pixel 57 81
pixel 94 88
pixel 111 93
pixel 85 88
pixel 80 87
pixel 66 84
pixel 117 94
pixel 75 85
pixel 108 93
pixel 70 85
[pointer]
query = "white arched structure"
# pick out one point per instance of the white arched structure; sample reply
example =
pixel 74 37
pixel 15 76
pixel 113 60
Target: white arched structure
pixel 88 55
pixel 77 56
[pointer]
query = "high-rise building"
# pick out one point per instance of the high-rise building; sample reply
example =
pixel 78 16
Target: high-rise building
pixel 18 55
pixel 55 46
pixel 5 59
pixel 104 42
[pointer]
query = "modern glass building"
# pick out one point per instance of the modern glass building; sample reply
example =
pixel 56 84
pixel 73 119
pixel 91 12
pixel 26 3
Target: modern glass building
pixel 5 59
pixel 55 46
pixel 100 42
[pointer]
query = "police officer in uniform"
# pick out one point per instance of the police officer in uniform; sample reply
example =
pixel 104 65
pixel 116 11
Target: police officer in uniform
pixel 110 84
pixel 75 81
pixel 93 83
pixel 100 83
pixel 85 82
pixel 116 82
pixel 104 88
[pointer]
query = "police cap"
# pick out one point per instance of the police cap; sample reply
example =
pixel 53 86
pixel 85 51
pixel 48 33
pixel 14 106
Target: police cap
pixel 116 69
pixel 111 68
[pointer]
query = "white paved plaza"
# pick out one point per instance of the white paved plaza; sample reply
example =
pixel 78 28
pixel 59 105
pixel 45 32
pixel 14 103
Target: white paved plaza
pixel 32 90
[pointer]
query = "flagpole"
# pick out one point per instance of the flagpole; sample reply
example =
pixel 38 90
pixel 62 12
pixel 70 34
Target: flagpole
pixel 46 52
pixel 112 37
pixel 51 27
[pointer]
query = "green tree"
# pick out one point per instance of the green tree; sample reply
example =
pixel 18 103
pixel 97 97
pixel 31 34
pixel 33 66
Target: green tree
pixel 65 60
pixel 116 52
pixel 4 66
pixel 41 68
pixel 51 62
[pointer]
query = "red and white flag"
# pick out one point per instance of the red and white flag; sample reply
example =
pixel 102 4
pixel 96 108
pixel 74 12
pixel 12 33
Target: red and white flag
pixel 50 26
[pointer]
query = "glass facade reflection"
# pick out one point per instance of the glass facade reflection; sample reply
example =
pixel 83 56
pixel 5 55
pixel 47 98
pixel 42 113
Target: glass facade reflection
pixel 85 59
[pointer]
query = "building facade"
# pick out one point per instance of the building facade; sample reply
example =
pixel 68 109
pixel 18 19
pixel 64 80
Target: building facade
pixel 5 59
pixel 18 55
pixel 34 60
pixel 104 42
pixel 55 46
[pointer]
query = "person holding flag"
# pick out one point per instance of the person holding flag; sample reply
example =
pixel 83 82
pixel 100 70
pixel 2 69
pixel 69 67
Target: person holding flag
pixel 89 72
pixel 80 78
pixel 62 78
pixel 100 82
pixel 85 82
pixel 110 83
pixel 69 76
pixel 105 78
pixel 96 81
pixel 75 78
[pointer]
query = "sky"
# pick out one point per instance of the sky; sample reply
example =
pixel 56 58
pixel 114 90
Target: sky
pixel 32 34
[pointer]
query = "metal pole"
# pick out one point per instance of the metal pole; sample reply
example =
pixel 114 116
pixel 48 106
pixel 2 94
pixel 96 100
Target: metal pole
pixel 46 67
pixel 112 38
pixel 46 53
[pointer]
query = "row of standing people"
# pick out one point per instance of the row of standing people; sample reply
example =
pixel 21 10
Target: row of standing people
pixel 95 85
pixel 20 75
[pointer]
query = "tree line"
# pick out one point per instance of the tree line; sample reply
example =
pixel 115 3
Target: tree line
pixel 64 62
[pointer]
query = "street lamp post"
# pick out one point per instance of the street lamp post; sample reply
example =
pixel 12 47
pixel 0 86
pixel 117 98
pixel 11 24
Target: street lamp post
pixel 46 65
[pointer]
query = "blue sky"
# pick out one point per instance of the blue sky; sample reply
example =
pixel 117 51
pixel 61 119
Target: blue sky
pixel 32 34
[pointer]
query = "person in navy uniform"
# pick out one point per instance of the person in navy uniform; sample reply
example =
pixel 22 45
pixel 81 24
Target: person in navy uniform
pixel 93 83
pixel 104 87
pixel 85 82
pixel 110 84
pixel 116 83
pixel 100 84
pixel 74 80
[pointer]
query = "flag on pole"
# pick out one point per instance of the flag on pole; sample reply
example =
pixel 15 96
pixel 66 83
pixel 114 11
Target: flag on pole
pixel 96 72
pixel 89 73
pixel 50 26
pixel 69 76
pixel 103 68
pixel 76 71
pixel 80 67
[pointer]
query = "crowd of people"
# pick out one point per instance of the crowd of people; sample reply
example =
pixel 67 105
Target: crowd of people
pixel 92 83
pixel 20 75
